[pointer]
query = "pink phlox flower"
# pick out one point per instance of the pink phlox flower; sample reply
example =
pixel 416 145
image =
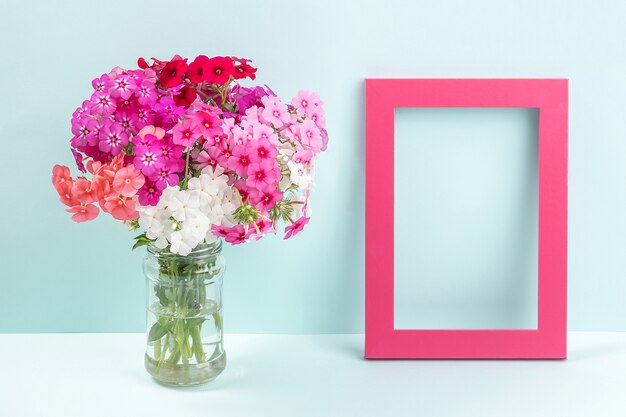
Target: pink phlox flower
pixel 219 230
pixel 296 227
pixel 128 181
pixel 83 213
pixel 237 235
pixel 262 175
pixel 208 124
pixel 239 160
pixel 242 189
pixel 310 135
pixel 261 131
pixel 305 101
pixel 317 115
pixel 262 149
pixel 205 158
pixel 265 199
pixel 263 227
pixel 186 133
pixel 275 111
pixel 303 156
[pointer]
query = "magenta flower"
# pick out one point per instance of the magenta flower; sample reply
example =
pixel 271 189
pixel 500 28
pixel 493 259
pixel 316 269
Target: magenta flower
pixel 263 175
pixel 296 227
pixel 148 158
pixel 122 86
pixel 83 130
pixel 146 93
pixel 103 104
pixel 165 175
pixel 144 140
pixel 185 133
pixel 113 138
pixel 101 84
pixel 150 193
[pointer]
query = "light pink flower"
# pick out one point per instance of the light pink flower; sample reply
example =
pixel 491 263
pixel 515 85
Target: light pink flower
pixel 128 181
pixel 275 111
pixel 305 101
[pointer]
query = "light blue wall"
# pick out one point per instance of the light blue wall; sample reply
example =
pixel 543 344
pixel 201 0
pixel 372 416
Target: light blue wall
pixel 60 276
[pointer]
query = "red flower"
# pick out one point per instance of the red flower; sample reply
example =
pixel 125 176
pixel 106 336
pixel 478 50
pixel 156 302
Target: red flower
pixel 243 69
pixel 185 97
pixel 198 69
pixel 141 63
pixel 219 69
pixel 172 74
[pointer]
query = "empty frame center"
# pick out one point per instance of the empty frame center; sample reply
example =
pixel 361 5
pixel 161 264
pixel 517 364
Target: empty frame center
pixel 466 218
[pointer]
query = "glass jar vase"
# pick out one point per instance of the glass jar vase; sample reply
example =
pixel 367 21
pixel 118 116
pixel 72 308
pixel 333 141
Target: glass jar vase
pixel 184 315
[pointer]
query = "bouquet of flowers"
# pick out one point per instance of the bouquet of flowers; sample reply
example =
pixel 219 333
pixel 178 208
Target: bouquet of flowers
pixel 187 154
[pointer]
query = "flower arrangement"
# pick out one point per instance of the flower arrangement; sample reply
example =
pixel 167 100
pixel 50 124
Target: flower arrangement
pixel 187 154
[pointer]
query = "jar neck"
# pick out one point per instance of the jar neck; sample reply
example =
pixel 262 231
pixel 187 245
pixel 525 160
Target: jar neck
pixel 203 250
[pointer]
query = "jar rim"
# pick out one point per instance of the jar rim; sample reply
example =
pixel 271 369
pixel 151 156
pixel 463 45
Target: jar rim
pixel 202 249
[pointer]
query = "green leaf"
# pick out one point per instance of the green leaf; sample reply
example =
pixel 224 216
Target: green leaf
pixel 140 243
pixel 157 331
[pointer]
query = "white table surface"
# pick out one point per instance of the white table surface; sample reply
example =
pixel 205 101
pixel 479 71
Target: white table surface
pixel 315 375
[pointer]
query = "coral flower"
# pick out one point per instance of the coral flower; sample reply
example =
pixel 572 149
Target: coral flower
pixel 84 191
pixel 61 173
pixel 128 181
pixel 121 208
pixel 157 132
pixel 83 213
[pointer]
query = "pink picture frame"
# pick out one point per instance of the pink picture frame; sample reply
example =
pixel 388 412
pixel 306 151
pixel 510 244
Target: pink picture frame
pixel 548 340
